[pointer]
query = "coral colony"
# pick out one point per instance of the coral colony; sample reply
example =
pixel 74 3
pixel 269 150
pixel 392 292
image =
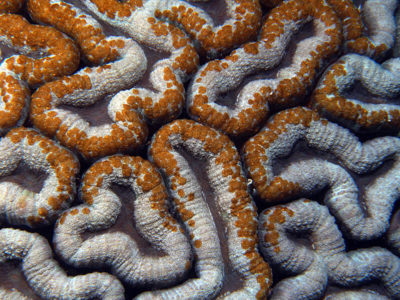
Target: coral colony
pixel 162 149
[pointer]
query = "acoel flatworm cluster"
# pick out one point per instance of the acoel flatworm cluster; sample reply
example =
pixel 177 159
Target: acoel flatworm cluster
pixel 162 149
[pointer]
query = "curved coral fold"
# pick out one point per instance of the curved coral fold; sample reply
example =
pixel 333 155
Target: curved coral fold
pixel 45 54
pixel 379 80
pixel 393 234
pixel 11 6
pixel 368 29
pixel 45 275
pixel 125 63
pixel 164 101
pixel 118 250
pixel 233 206
pixel 242 22
pixel 327 260
pixel 288 86
pixel 85 84
pixel 379 20
pixel 364 218
pixel 18 204
pixel 356 295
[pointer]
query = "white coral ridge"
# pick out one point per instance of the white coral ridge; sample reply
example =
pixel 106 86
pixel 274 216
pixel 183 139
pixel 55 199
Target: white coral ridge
pixel 393 234
pixel 326 261
pixel 18 204
pixel 378 17
pixel 366 218
pixel 140 29
pixel 356 295
pixel 118 250
pixel 198 25
pixel 44 274
pixel 382 80
pixel 211 82
pixel 231 208
pixel 103 81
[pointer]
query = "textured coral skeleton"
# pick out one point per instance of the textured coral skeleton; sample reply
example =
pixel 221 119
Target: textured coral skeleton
pixel 364 218
pixel 291 82
pixel 234 209
pixel 23 147
pixel 128 108
pixel 17 72
pixel 109 191
pixel 44 274
pixel 119 251
pixel 123 64
pixel 327 260
pixel 328 98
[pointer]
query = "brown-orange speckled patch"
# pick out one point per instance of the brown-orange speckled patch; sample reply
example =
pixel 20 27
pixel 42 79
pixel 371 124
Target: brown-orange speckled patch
pixel 225 155
pixel 141 171
pixel 61 163
pixel 275 189
pixel 287 91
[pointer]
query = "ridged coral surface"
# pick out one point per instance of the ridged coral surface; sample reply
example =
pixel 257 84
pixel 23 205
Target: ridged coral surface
pixel 162 149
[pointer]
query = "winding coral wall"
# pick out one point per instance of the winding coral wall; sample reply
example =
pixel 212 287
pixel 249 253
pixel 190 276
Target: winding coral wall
pixel 162 149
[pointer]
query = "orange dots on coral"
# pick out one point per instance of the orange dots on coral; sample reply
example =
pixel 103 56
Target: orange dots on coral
pixel 44 156
pixel 43 212
pixel 128 129
pixel 244 21
pixel 251 48
pixel 62 54
pixel 257 153
pixel 239 216
pixel 197 243
pixel 372 37
pixel 329 96
pixel 115 8
pixel 248 111
pixel 98 216
pixel 188 265
pixel 58 56
pixel 15 96
pixel 142 172
pixel 276 215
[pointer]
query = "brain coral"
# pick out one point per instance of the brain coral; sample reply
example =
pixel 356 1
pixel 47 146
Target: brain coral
pixel 161 149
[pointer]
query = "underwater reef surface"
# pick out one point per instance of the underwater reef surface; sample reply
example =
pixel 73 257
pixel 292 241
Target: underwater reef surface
pixel 176 149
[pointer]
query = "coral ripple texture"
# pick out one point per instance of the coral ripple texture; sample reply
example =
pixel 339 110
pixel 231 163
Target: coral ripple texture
pixel 199 149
